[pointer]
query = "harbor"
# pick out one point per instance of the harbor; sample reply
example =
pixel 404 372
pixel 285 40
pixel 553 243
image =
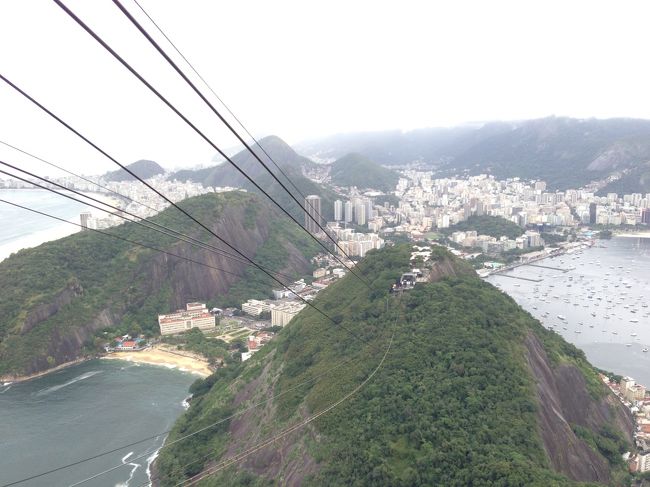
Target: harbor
pixel 603 299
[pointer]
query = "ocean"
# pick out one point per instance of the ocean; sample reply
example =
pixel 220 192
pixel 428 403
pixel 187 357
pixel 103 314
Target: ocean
pixel 84 410
pixel 20 229
pixel 601 303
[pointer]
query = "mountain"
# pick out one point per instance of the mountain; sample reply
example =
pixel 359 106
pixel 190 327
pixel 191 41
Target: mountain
pixel 450 384
pixel 564 152
pixel 58 296
pixel 142 168
pixel 225 174
pixel 357 170
pixel 289 160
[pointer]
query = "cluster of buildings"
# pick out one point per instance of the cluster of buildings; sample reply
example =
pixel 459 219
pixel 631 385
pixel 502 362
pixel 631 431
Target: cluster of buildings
pixel 358 210
pixel 138 199
pixel 352 243
pixel 126 343
pixel 634 396
pixel 427 203
pixel 492 245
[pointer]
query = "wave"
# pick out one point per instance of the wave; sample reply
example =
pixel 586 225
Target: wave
pixel 49 390
pixel 135 467
pixel 186 402
pixel 5 389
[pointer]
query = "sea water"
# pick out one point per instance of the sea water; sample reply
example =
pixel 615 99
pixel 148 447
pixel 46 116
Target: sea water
pixel 85 410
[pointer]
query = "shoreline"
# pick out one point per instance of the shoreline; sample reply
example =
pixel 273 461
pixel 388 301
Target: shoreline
pixel 632 234
pixel 164 358
pixel 150 356
pixel 58 231
pixel 36 375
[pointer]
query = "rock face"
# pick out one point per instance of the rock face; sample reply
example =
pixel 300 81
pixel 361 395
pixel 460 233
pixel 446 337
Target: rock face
pixel 564 400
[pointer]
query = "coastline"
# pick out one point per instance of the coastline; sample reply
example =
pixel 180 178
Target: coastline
pixel 150 356
pixel 165 358
pixel 633 234
pixel 36 375
pixel 57 231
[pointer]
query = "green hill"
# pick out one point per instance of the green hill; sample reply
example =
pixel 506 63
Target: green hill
pixel 357 170
pixel 473 391
pixel 142 168
pixel 494 226
pixel 57 296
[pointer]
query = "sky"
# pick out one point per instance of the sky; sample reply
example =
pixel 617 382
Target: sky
pixel 301 70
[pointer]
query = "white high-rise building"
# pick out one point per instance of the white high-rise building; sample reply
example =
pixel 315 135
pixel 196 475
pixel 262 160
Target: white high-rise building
pixel 312 213
pixel 360 214
pixel 338 210
pixel 348 211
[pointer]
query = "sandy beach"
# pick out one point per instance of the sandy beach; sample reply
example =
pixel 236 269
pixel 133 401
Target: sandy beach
pixel 165 358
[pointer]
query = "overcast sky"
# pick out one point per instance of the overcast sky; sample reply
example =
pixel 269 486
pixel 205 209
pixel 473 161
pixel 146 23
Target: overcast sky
pixel 306 69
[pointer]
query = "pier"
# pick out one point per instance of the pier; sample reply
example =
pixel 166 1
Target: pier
pixel 546 267
pixel 518 277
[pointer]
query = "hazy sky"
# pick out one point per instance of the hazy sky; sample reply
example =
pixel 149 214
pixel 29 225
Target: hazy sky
pixel 305 69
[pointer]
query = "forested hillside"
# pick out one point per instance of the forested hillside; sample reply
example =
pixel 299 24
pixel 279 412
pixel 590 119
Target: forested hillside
pixel 56 296
pixel 494 226
pixel 357 170
pixel 472 391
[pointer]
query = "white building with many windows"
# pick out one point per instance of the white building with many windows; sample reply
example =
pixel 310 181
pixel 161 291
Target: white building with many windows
pixel 196 315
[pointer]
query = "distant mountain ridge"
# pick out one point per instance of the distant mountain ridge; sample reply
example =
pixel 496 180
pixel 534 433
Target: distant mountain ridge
pixel 143 168
pixel 564 152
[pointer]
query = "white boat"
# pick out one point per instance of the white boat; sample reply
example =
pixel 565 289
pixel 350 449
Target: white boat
pixel 644 350
pixel 560 317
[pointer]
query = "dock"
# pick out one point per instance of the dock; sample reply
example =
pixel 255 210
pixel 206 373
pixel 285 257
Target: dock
pixel 546 267
pixel 517 277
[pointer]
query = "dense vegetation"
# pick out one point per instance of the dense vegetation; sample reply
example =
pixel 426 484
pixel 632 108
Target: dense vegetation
pixel 357 170
pixel 453 404
pixel 142 168
pixel 93 282
pixel 494 226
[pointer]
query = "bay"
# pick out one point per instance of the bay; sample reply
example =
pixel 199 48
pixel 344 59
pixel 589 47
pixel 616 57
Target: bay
pixel 599 301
